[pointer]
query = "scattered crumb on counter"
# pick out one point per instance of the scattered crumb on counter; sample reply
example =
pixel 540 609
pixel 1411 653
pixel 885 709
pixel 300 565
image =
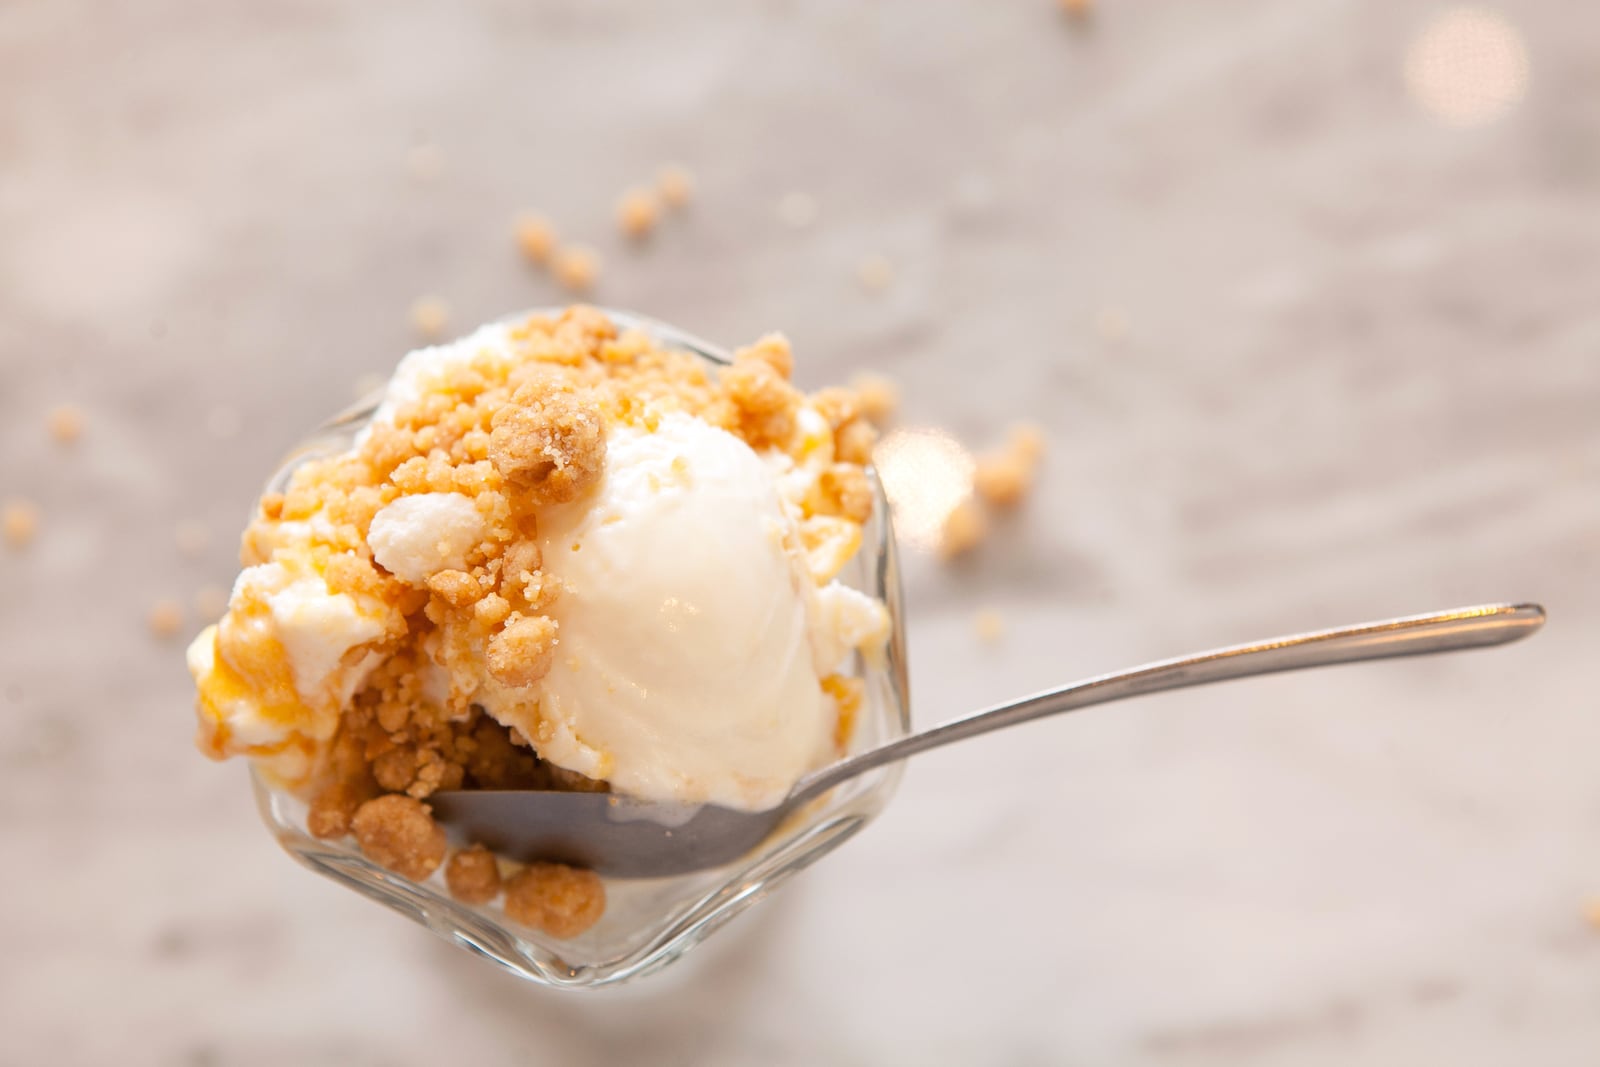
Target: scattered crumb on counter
pixel 1078 9
pixel 875 273
pixel 223 422
pixel 429 316
pixel 637 213
pixel 577 268
pixel 797 210
pixel 990 626
pixel 165 618
pixel 1592 913
pixel 964 529
pixel 20 520
pixel 560 900
pixel 536 238
pixel 676 185
pixel 66 423
pixel 425 162
pixel 877 395
pixel 192 537
pixel 1005 476
pixel 210 601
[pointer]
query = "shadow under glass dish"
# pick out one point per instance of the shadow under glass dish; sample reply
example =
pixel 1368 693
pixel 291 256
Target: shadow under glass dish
pixel 649 921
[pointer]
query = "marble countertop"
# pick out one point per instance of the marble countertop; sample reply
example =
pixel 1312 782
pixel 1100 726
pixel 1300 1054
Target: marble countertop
pixel 1312 324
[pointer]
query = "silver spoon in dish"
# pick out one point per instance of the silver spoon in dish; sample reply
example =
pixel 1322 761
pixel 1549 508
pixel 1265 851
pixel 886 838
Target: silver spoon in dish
pixel 629 838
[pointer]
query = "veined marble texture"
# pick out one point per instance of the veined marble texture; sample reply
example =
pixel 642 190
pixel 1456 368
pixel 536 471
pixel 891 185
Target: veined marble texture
pixel 1306 295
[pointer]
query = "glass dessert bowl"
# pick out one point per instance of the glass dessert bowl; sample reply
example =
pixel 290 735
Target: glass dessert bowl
pixel 646 922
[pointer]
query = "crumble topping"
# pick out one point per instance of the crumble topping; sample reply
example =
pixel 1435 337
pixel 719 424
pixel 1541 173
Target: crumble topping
pixel 384 583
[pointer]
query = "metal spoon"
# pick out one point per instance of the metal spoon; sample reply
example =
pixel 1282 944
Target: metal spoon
pixel 630 838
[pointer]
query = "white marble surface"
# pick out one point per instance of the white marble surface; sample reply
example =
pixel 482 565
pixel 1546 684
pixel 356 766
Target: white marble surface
pixel 1361 377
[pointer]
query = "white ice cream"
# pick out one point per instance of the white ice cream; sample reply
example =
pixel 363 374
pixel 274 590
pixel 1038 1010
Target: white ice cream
pixel 690 631
pixel 425 533
pixel 287 603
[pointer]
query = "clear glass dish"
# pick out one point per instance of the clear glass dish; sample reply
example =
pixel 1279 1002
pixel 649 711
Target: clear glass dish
pixel 648 923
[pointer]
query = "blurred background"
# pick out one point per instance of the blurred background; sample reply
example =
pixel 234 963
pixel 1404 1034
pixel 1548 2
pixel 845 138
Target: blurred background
pixel 1304 295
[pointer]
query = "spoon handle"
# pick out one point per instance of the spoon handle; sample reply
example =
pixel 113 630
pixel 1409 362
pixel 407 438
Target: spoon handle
pixel 1413 635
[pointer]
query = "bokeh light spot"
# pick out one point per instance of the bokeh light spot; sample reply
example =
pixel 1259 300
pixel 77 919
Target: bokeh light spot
pixel 925 474
pixel 1468 66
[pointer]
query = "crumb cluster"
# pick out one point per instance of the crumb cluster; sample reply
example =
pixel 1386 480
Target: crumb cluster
pixel 514 436
pixel 639 210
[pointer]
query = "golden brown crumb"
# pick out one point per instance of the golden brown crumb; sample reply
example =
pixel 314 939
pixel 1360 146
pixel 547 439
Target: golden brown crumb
pixel 772 349
pixel 676 185
pixel 964 529
pixel 766 403
pixel 495 762
pixel 843 490
pixel 560 900
pixel 990 626
pixel 1592 913
pixel 398 832
pixel 875 273
pixel 473 875
pixel 210 601
pixel 1078 9
pixel 430 316
pixel 1002 479
pixel 191 536
pixel 637 212
pixel 577 268
pixel 854 441
pixel 166 618
pixel 521 654
pixel 877 395
pixel 536 239
pixel 332 810
pixel 456 588
pixel 549 442
pixel 20 520
pixel 66 423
